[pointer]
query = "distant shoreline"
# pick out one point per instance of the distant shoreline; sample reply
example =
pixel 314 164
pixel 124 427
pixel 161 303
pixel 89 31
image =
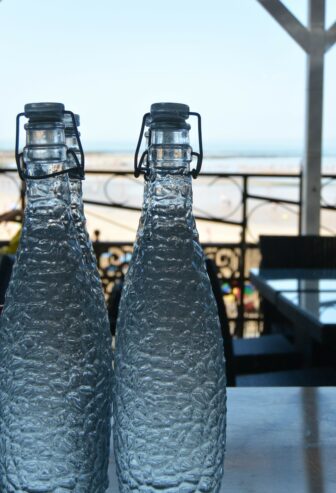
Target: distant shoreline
pixel 213 196
pixel 7 152
pixel 214 151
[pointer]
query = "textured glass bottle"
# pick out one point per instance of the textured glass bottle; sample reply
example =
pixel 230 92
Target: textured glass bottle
pixel 55 357
pixel 77 211
pixel 169 366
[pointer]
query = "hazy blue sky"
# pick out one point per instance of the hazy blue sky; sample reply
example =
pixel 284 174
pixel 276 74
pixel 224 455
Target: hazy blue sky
pixel 109 60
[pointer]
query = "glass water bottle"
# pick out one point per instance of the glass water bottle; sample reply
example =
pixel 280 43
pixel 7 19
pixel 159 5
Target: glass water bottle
pixel 55 356
pixel 170 397
pixel 76 176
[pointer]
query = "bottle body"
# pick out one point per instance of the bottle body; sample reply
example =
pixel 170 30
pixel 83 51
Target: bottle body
pixel 78 216
pixel 85 245
pixel 55 373
pixel 169 366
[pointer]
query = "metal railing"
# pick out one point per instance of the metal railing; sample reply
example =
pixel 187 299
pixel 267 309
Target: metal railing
pixel 233 259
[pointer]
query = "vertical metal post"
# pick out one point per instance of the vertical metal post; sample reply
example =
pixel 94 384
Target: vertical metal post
pixel 300 204
pixel 241 311
pixel 311 173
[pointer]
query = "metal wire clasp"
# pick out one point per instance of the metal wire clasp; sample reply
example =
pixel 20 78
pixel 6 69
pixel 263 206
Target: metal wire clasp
pixel 196 171
pixel 138 165
pixel 21 165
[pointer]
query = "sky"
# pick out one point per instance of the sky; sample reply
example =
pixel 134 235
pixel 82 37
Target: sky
pixel 108 60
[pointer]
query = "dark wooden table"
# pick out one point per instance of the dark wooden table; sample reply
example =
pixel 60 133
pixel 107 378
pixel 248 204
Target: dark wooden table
pixel 307 298
pixel 279 440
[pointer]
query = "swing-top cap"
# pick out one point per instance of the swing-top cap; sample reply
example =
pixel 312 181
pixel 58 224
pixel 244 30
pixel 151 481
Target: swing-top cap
pixel 168 115
pixel 67 119
pixel 44 112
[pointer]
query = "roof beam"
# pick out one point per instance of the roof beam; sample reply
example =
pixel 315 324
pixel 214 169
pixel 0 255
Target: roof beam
pixel 288 21
pixel 330 37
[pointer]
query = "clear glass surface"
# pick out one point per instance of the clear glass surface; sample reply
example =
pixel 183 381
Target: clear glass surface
pixel 270 274
pixel 301 284
pixel 83 238
pixel 170 395
pixel 55 354
pixel 320 305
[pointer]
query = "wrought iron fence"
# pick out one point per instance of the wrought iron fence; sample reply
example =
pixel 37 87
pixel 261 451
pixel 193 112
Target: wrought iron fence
pixel 234 259
pixel 243 311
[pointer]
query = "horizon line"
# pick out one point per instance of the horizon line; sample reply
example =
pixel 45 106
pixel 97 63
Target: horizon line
pixel 211 150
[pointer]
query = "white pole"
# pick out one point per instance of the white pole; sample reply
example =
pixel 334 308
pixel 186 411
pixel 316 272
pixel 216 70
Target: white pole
pixel 312 163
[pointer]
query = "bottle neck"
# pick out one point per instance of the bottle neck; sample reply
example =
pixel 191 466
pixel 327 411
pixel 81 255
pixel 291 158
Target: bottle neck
pixel 71 141
pixel 50 194
pixel 44 154
pixel 169 151
pixel 45 150
pixel 169 190
pixel 76 198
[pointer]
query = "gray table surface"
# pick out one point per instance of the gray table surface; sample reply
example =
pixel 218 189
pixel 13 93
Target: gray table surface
pixel 279 440
pixel 307 297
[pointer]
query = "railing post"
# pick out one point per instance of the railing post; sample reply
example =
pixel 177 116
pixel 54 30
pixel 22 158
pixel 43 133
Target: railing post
pixel 300 203
pixel 242 261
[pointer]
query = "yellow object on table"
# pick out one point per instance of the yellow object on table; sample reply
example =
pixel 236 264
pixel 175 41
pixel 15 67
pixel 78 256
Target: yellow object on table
pixel 12 246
